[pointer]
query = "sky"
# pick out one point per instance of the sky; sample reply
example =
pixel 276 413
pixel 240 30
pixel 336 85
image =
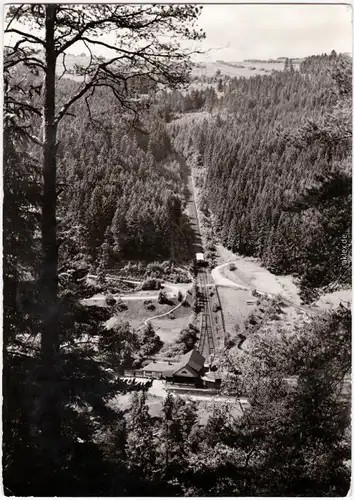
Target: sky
pixel 235 32
pixel 239 32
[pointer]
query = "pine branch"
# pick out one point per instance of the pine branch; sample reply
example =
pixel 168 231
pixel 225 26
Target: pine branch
pixel 29 38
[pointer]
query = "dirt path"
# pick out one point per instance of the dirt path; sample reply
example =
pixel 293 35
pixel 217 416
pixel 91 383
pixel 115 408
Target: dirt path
pixel 166 313
pixel 174 289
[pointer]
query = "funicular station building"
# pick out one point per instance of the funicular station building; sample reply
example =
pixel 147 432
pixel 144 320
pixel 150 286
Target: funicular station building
pixel 189 370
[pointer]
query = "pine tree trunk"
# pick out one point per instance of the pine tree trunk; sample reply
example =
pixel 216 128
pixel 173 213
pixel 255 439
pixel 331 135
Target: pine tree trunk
pixel 48 411
pixel 49 283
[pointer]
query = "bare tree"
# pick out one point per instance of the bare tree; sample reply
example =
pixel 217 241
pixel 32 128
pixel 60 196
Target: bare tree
pixel 141 41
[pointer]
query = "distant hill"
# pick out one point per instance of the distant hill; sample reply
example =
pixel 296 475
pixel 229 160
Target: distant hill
pixel 70 61
pixel 208 69
pixel 248 68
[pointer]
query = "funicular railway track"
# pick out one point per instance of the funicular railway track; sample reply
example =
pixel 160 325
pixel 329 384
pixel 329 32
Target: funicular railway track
pixel 206 343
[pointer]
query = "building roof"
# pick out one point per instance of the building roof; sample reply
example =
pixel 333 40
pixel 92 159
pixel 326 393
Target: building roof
pixel 193 359
pixel 199 256
pixel 188 368
pixel 211 376
pixel 161 366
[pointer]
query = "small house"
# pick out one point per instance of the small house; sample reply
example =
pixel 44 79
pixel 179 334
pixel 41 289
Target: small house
pixel 211 380
pixel 187 370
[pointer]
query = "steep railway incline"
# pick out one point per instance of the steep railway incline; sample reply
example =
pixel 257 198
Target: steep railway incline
pixel 204 279
pixel 207 328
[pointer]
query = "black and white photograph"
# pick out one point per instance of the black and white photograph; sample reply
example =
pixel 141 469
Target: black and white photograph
pixel 177 250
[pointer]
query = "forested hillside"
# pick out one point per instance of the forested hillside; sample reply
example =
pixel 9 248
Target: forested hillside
pixel 123 187
pixel 103 176
pixel 278 162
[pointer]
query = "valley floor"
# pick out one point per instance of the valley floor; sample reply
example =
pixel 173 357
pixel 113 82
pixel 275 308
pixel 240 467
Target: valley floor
pixel 235 287
pixel 250 274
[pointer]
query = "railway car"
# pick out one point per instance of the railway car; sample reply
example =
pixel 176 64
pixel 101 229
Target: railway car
pixel 199 260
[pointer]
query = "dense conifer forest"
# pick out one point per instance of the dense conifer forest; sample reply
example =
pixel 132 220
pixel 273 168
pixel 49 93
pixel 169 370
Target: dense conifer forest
pixel 277 152
pixel 123 187
pixel 104 189
pixel 271 151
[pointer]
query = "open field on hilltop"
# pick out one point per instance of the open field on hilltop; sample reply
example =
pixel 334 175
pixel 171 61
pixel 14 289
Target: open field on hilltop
pixel 193 116
pixel 244 69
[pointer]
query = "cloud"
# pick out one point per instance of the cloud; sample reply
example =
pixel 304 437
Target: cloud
pixel 262 31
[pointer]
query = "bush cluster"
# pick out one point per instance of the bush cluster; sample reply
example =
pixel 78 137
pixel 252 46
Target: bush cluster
pixel 151 284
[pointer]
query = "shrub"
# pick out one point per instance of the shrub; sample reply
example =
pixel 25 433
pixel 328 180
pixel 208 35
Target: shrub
pixel 172 316
pixel 216 308
pixel 208 255
pixel 185 303
pixel 179 296
pixel 188 338
pixel 196 308
pixel 229 344
pixel 280 301
pixel 211 247
pixel 162 298
pixel 154 267
pixel 121 306
pixel 136 365
pixel 252 320
pixel 150 343
pixel 149 305
pixel 232 267
pixel 166 265
pixel 110 300
pixel 151 284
